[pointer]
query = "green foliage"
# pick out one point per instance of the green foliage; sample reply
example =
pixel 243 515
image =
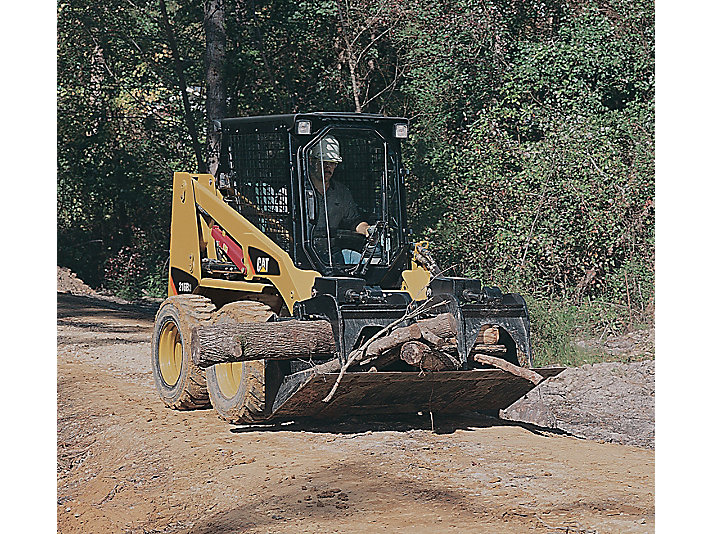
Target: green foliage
pixel 550 187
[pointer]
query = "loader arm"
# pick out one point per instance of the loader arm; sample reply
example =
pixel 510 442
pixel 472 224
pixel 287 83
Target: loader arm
pixel 264 259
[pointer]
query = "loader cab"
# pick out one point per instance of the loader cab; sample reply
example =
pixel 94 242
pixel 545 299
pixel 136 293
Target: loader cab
pixel 290 174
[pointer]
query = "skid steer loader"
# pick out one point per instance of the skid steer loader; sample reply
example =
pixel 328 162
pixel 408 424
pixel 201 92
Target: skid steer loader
pixel 295 288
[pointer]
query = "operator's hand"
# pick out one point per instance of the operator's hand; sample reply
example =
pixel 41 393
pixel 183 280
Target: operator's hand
pixel 364 229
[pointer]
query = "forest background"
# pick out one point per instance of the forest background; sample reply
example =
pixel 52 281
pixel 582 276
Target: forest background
pixel 531 149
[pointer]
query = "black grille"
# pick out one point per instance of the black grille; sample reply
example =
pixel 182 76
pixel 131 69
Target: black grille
pixel 259 165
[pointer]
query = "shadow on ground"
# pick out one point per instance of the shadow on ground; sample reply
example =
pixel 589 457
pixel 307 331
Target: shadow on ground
pixel 439 424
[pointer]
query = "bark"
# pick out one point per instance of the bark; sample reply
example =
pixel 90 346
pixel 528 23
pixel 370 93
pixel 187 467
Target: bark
pixel 527 374
pixel 350 58
pixel 490 349
pixel 424 357
pixel 215 101
pixel 230 341
pixel 443 326
pixel 180 73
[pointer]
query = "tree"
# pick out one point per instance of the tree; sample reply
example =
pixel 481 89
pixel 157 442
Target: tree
pixel 215 102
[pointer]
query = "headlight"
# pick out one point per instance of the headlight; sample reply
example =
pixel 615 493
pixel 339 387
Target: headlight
pixel 303 127
pixel 401 131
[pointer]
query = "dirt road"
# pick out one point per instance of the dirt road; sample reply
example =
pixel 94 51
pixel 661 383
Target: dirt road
pixel 128 464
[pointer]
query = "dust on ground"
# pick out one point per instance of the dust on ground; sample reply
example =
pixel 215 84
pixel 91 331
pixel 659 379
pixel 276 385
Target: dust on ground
pixel 126 463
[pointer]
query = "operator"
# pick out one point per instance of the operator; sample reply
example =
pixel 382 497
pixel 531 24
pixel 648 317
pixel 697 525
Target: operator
pixel 343 211
pixel 340 205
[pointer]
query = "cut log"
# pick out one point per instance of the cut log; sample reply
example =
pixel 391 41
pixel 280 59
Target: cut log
pixel 383 360
pixel 426 358
pixel 413 352
pixel 230 341
pixel 492 350
pixel 440 326
pixel 443 325
pixel 488 335
pixel 527 374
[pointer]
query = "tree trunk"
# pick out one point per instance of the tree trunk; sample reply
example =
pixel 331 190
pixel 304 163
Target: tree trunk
pixel 178 62
pixel 350 60
pixel 230 341
pixel 215 101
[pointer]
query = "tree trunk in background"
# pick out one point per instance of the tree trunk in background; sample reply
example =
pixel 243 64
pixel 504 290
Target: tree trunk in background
pixel 215 102
pixel 345 31
pixel 178 62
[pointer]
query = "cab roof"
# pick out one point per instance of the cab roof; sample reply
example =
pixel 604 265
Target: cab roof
pixel 289 120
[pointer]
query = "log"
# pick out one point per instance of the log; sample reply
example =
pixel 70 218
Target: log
pixel 488 335
pixel 413 352
pixel 492 350
pixel 231 341
pixel 440 326
pixel 522 372
pixel 421 355
pixel 382 361
pixel 443 325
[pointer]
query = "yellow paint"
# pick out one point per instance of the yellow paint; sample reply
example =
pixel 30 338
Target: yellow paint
pixel 416 280
pixel 229 376
pixel 292 283
pixel 170 353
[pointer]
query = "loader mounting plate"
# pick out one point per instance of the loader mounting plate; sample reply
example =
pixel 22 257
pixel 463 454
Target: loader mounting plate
pixel 407 392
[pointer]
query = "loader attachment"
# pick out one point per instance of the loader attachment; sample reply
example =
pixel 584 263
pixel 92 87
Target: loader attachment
pixel 447 392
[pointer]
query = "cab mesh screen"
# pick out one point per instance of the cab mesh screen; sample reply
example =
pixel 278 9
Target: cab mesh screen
pixel 260 174
pixel 361 171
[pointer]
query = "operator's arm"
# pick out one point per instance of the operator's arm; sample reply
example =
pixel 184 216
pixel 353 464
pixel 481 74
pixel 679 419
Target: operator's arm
pixel 353 218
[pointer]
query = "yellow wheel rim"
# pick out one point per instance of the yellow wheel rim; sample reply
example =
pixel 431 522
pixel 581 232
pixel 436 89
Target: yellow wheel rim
pixel 170 353
pixel 229 376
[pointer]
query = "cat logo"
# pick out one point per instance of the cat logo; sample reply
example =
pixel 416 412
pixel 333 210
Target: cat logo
pixel 262 265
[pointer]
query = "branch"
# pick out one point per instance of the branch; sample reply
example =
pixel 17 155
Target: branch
pixel 190 123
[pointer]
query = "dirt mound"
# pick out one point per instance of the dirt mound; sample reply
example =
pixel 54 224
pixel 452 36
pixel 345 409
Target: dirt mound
pixel 67 282
pixel 611 402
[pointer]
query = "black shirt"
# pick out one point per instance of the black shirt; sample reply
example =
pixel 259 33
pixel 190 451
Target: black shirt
pixel 343 211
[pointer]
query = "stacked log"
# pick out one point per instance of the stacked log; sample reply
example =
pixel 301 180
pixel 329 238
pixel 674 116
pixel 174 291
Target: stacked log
pixel 423 344
pixel 487 350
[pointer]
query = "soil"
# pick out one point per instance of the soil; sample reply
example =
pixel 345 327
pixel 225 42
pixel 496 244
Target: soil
pixel 612 402
pixel 68 282
pixel 126 463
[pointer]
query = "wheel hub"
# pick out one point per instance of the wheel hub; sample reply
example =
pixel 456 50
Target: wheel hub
pixel 170 353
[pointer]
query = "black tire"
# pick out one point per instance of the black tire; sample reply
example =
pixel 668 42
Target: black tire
pixel 242 392
pixel 180 383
